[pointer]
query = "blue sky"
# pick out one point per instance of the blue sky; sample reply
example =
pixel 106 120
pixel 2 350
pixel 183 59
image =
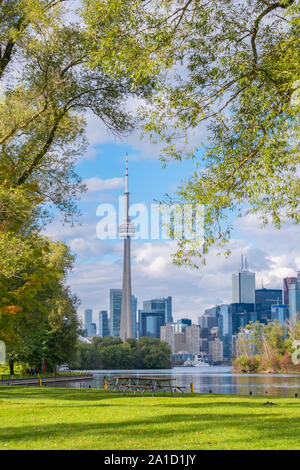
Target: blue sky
pixel 98 266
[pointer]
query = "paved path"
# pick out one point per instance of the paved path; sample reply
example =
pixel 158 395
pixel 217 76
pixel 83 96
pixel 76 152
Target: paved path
pixel 46 380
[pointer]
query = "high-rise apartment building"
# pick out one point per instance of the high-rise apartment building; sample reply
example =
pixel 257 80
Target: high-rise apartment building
pixel 180 345
pixel 192 339
pixel 216 350
pixel 167 335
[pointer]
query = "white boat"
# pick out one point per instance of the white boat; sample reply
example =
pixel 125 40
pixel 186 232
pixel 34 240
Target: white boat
pixel 188 363
pixel 200 364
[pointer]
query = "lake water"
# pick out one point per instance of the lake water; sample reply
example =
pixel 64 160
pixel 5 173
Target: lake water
pixel 206 379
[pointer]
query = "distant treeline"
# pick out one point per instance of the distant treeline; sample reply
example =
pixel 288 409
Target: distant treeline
pixel 112 353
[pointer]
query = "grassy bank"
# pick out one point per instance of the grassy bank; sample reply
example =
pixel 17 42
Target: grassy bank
pixel 57 418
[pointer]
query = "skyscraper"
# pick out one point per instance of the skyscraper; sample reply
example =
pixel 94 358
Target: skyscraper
pixel 192 339
pixel 294 300
pixel 264 299
pixel 88 318
pixel 243 286
pixel 150 322
pixel 167 335
pixel 127 230
pixel 134 314
pixel 103 324
pixel 164 303
pixel 279 313
pixel 115 311
pixel 287 281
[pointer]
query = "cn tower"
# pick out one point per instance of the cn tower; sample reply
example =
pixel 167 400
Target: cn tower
pixel 126 231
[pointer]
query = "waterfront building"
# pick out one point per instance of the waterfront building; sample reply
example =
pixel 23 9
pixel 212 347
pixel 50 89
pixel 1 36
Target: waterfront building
pixel 204 345
pixel 216 350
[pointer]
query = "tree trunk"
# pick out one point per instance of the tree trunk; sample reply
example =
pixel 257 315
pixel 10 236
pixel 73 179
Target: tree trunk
pixel 11 366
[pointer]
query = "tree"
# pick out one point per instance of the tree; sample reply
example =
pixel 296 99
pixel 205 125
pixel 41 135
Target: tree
pixel 38 314
pixel 41 121
pixel 233 65
pixel 273 343
pixel 112 353
pixel 49 86
pixel 153 354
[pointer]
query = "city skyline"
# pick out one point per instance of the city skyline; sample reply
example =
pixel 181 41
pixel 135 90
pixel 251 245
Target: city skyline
pixel 264 298
pixel 177 315
pixel 272 254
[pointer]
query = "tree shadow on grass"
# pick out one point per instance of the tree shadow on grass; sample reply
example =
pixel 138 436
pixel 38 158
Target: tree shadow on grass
pixel 57 393
pixel 275 428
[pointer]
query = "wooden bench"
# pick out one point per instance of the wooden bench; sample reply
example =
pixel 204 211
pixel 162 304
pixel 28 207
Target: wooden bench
pixel 112 385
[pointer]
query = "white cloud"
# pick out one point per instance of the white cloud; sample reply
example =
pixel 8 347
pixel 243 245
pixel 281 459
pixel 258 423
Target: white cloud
pixel 98 184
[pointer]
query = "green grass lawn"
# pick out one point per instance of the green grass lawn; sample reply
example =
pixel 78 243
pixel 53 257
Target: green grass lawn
pixel 60 418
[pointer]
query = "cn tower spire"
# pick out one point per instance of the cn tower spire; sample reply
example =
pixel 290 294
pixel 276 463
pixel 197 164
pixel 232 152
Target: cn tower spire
pixel 126 175
pixel 127 230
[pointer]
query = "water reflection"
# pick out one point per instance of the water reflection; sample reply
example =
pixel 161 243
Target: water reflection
pixel 210 379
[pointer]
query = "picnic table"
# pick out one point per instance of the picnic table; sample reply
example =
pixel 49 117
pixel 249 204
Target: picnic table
pixel 142 384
